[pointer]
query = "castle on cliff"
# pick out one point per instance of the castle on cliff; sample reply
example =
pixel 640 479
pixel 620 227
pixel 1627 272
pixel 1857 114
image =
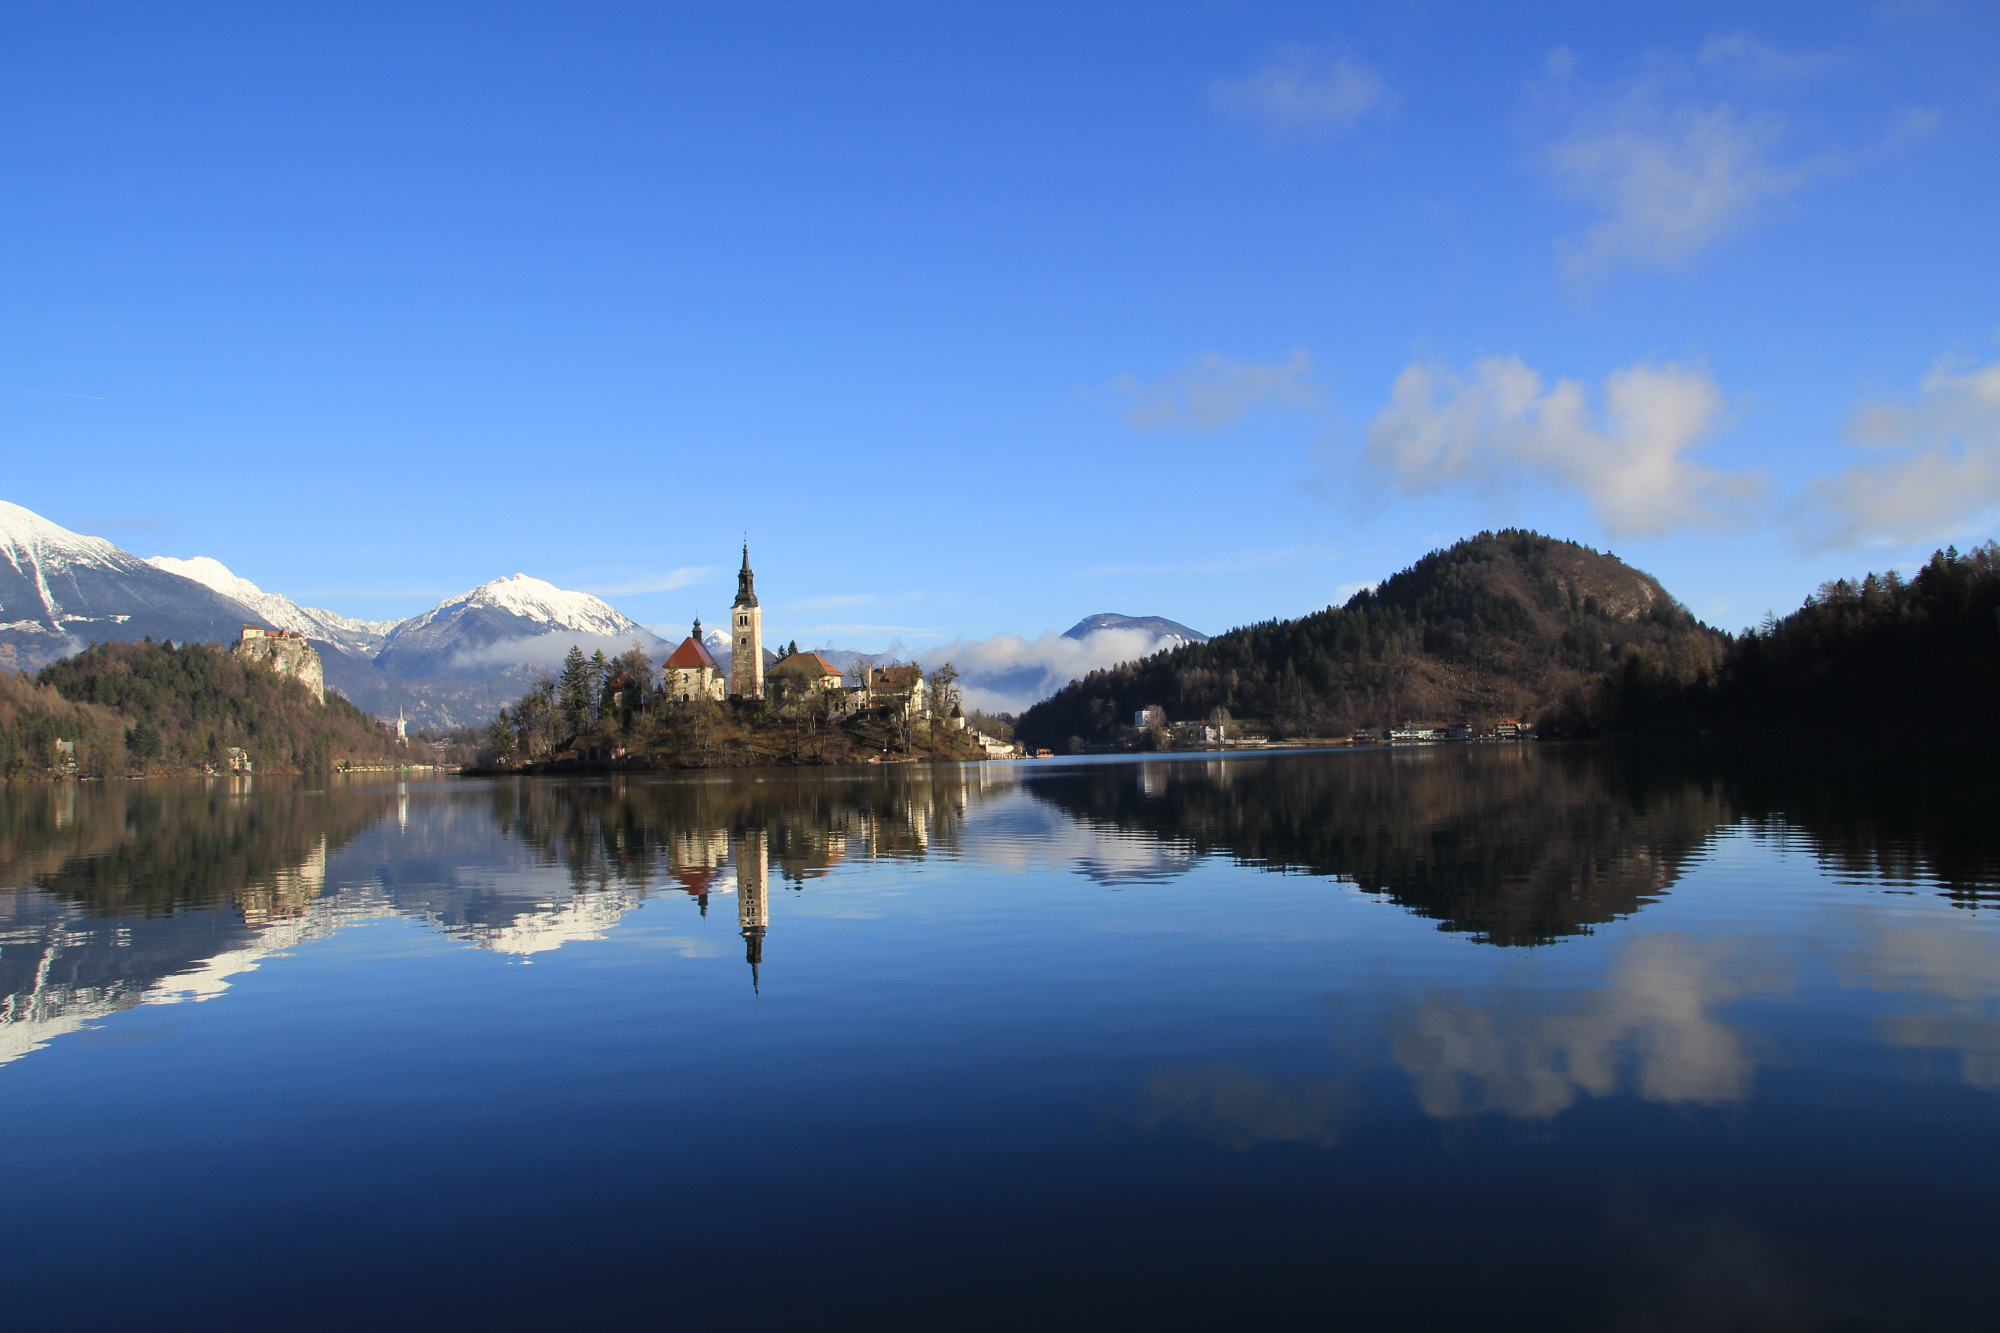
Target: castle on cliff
pixel 286 652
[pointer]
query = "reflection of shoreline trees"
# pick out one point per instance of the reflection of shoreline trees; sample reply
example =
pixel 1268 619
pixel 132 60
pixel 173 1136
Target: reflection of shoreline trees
pixel 630 833
pixel 1903 815
pixel 1525 845
pixel 1512 845
pixel 160 848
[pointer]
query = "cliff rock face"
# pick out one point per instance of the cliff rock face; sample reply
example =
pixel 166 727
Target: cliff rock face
pixel 287 654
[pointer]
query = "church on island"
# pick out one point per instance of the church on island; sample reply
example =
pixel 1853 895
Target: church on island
pixel 693 675
pixel 691 670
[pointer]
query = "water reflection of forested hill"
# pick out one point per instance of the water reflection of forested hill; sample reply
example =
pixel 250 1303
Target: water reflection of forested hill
pixel 1513 844
pixel 121 894
pixel 636 832
pixel 117 893
pixel 156 848
pixel 1908 816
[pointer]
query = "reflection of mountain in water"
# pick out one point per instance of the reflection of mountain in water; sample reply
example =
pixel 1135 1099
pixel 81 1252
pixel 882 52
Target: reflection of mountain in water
pixel 1513 844
pixel 113 896
pixel 118 894
pixel 1913 817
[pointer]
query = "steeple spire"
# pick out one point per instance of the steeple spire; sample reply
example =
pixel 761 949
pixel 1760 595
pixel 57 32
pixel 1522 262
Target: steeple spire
pixel 746 590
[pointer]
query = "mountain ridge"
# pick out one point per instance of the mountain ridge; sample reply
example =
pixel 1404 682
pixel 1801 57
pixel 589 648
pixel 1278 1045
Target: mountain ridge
pixel 1498 625
pixel 1160 625
pixel 449 666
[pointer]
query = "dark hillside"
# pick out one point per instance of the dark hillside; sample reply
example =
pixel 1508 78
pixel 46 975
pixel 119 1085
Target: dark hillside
pixel 1500 625
pixel 155 708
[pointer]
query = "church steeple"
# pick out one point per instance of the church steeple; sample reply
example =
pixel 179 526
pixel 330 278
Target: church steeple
pixel 746 590
pixel 746 636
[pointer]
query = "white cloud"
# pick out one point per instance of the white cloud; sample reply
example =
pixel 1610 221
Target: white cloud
pixel 1006 673
pixel 1743 51
pixel 1685 152
pixel 683 577
pixel 544 650
pixel 1498 423
pixel 1943 476
pixel 1214 390
pixel 864 628
pixel 1302 94
pixel 1667 179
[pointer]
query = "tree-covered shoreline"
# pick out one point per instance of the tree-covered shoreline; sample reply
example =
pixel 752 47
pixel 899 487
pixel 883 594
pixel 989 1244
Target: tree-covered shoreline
pixel 1515 624
pixel 146 708
pixel 602 713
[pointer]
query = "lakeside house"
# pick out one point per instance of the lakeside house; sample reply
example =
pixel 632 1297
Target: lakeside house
pixel 900 688
pixel 801 674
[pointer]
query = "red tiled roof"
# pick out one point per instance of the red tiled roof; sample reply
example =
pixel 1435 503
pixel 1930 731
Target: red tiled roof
pixel 691 653
pixel 809 664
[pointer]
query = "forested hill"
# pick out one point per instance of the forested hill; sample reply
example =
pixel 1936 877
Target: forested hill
pixel 1499 625
pixel 1878 652
pixel 130 708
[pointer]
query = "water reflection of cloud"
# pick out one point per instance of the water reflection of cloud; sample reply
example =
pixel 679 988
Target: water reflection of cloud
pixel 1240 1110
pixel 1949 962
pixel 1013 831
pixel 1650 1027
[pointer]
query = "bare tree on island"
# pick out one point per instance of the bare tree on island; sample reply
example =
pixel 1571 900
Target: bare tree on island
pixel 537 718
pixel 942 693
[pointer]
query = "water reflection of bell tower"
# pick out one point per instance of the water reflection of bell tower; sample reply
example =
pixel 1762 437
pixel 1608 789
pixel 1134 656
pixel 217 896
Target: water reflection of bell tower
pixel 753 895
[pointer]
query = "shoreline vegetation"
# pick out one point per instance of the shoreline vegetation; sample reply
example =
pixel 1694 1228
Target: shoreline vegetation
pixel 1508 633
pixel 149 709
pixel 615 715
pixel 1567 642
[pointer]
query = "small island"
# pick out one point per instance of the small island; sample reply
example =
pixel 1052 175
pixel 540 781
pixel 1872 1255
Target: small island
pixel 783 707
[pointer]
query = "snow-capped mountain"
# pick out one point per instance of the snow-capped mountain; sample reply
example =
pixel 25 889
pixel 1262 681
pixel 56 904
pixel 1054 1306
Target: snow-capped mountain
pixel 59 590
pixel 509 622
pixel 279 611
pixel 533 600
pixel 451 666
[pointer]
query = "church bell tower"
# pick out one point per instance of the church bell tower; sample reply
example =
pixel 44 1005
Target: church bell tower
pixel 746 652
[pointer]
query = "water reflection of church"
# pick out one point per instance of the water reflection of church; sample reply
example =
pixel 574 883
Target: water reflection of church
pixel 753 896
pixel 697 857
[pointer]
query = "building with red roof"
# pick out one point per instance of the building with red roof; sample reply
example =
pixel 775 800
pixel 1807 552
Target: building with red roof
pixel 691 671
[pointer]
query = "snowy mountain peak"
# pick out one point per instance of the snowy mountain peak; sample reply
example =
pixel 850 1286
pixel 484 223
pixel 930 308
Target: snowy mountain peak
pixel 210 572
pixel 28 538
pixel 278 610
pixel 539 601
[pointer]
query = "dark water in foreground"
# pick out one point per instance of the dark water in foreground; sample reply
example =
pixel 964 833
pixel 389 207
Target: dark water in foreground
pixel 1472 1037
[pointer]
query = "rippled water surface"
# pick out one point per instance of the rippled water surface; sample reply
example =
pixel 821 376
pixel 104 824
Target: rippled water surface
pixel 1489 1036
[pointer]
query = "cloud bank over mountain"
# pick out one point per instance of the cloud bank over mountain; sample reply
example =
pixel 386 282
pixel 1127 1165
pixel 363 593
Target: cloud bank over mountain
pixel 1006 673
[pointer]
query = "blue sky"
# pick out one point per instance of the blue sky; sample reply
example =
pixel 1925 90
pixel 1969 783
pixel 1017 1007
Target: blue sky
pixel 981 318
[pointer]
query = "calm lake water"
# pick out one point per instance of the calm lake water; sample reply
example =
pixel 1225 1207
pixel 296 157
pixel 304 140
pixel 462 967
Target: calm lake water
pixel 1491 1036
